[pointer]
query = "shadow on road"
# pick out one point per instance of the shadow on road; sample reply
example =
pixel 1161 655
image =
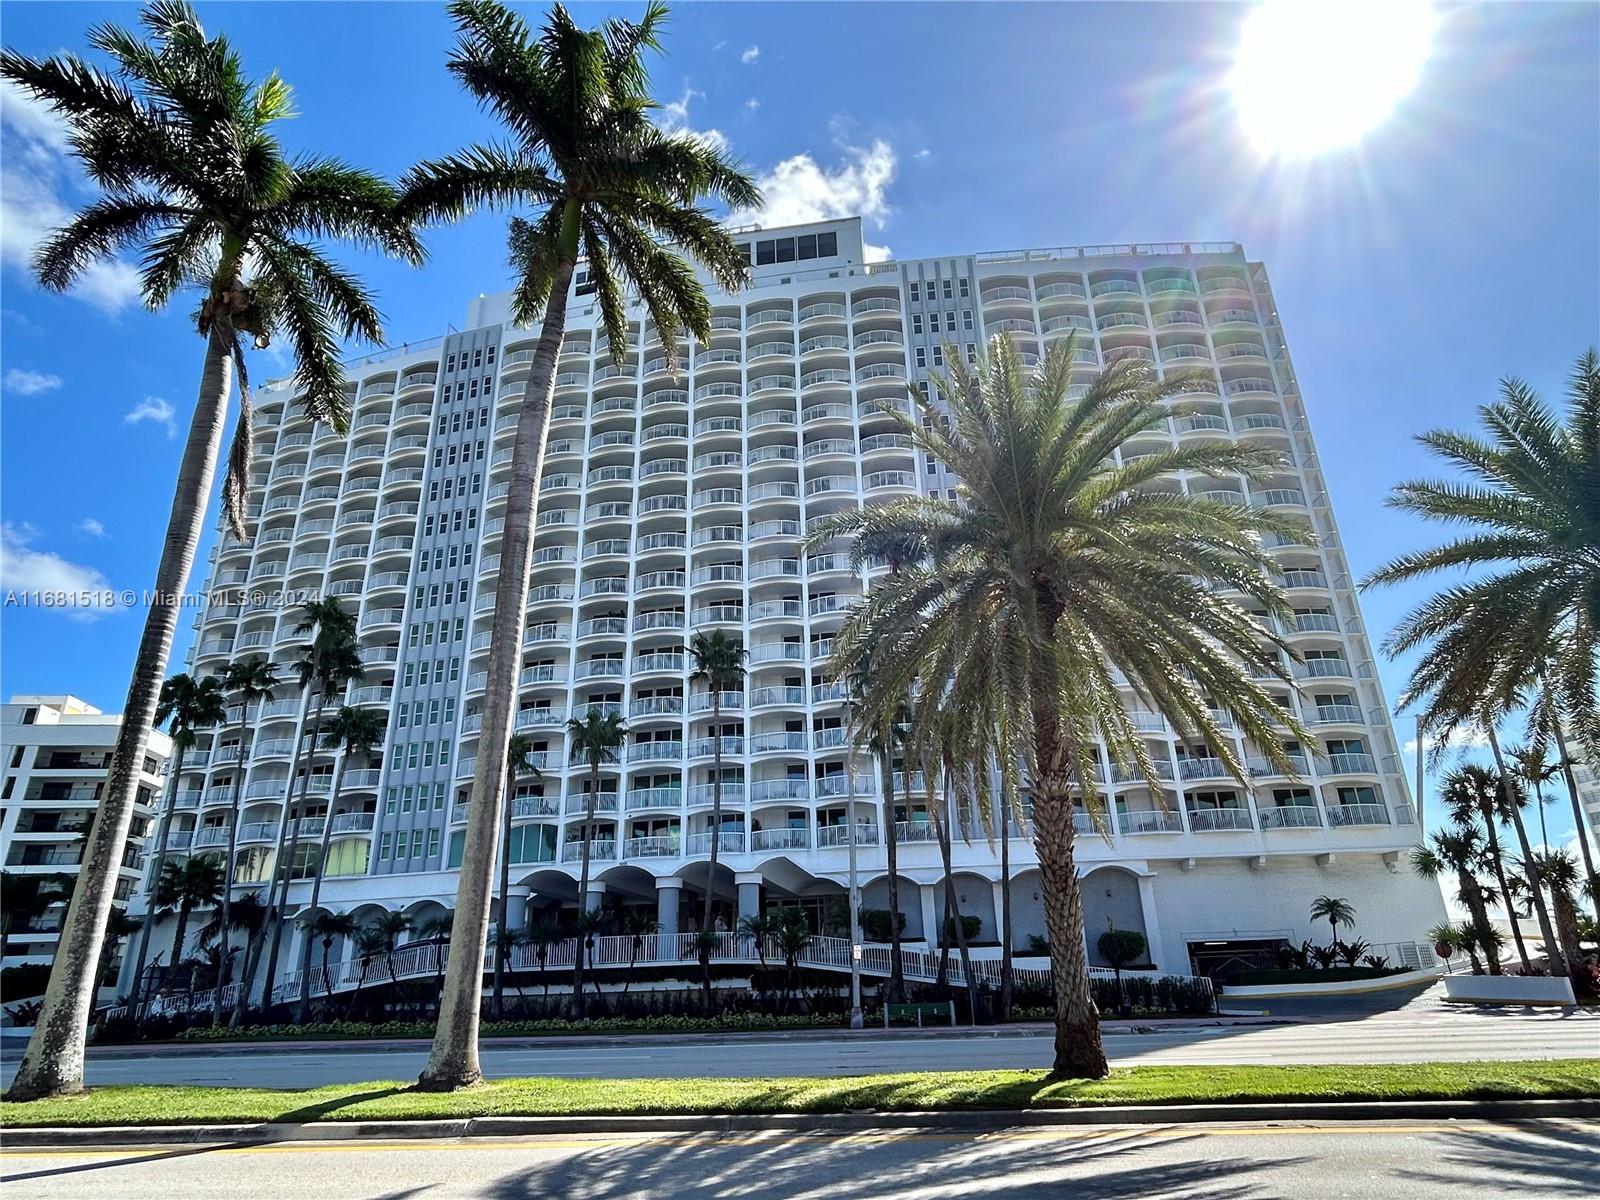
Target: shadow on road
pixel 1564 1161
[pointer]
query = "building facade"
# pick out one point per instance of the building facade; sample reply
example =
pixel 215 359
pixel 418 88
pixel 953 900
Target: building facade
pixel 57 759
pixel 674 501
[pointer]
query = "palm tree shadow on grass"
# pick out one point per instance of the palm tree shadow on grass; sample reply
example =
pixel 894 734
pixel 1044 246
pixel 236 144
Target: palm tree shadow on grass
pixel 317 1112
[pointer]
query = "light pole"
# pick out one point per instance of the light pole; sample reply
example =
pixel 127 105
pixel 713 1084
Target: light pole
pixel 856 1021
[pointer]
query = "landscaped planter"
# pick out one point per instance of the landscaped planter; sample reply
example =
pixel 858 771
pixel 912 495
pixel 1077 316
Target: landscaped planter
pixel 1509 989
pixel 1341 987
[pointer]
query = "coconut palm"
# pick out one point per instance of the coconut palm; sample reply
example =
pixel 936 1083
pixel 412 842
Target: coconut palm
pixel 792 937
pixel 1336 911
pixel 606 184
pixel 1460 850
pixel 719 663
pixel 1473 793
pixel 183 146
pixel 186 705
pixel 326 666
pixel 518 763
pixel 758 927
pixel 1531 608
pixel 592 924
pixel 1060 564
pixel 596 738
pixel 325 928
pixel 250 681
pixel 182 888
pixel 352 731
pixel 369 944
pixel 1534 769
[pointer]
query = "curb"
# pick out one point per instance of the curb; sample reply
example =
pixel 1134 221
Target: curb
pixel 802 1124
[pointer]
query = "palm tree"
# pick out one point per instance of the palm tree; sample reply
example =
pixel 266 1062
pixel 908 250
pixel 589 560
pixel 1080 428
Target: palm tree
pixel 1552 721
pixel 542 936
pixel 1336 911
pixel 437 930
pixel 189 705
pixel 1514 799
pixel 184 887
pixel 719 662
pixel 183 146
pixel 1055 566
pixel 352 731
pixel 1559 871
pixel 881 744
pixel 326 926
pixel 592 923
pixel 25 898
pixel 1461 850
pixel 369 944
pixel 1530 609
pixel 759 927
pixel 1534 768
pixel 1473 793
pixel 636 925
pixel 326 666
pixel 606 184
pixel 251 681
pixel 247 915
pixel 118 926
pixel 1465 937
pixel 793 936
pixel 595 739
pixel 391 925
pixel 518 762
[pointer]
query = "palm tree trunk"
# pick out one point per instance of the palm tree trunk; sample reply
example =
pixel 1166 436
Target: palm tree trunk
pixel 277 918
pixel 258 942
pixel 1079 1052
pixel 136 991
pixel 1006 981
pixel 453 1062
pixel 1497 860
pixel 327 979
pixel 1566 919
pixel 716 819
pixel 228 864
pixel 1552 951
pixel 502 931
pixel 897 974
pixel 954 901
pixel 304 1005
pixel 583 891
pixel 180 933
pixel 1578 818
pixel 1472 897
pixel 52 1065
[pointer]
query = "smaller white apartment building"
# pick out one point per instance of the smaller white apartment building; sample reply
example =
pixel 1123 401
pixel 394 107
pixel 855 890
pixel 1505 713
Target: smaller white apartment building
pixel 57 753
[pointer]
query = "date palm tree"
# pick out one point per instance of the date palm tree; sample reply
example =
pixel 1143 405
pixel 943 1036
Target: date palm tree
pixel 251 682
pixel 182 888
pixel 605 184
pixel 184 148
pixel 352 731
pixel 718 659
pixel 1336 911
pixel 595 740
pixel 327 665
pixel 519 762
pixel 186 705
pixel 1459 850
pixel 1061 564
pixel 1472 792
pixel 1531 608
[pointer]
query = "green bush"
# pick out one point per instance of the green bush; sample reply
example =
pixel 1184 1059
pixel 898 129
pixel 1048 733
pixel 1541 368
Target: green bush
pixel 727 1022
pixel 875 924
pixel 1121 947
pixel 970 925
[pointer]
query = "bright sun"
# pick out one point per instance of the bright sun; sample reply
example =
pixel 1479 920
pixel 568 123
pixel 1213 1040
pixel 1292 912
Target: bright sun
pixel 1312 76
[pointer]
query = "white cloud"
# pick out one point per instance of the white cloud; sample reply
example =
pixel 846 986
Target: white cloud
pixel 30 383
pixel 91 527
pixel 800 190
pixel 72 588
pixel 673 117
pixel 750 55
pixel 34 172
pixel 1462 737
pixel 153 408
pixel 752 104
pixel 923 153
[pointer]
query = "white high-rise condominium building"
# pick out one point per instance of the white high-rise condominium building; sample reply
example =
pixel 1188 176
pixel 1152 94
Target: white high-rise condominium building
pixel 676 501
pixel 57 754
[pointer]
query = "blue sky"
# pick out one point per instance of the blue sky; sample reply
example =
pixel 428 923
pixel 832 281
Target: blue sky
pixel 1458 242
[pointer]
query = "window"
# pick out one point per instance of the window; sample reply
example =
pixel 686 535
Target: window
pixel 433 842
pixel 477 358
pixel 938 356
pixel 922 357
pixel 407 795
pixel 916 289
pixel 416 843
pixel 916 322
pixel 389 801
pixel 966 316
pixel 450 363
pixel 972 352
pixel 964 291
pixel 386 845
pixel 947 289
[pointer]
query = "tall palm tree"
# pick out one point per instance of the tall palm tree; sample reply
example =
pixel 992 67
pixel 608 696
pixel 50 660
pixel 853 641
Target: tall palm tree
pixel 1460 850
pixel 1534 769
pixel 1515 798
pixel 1551 720
pixel 182 888
pixel 1531 608
pixel 881 744
pixel 1061 564
pixel 542 937
pixel 595 740
pixel 1336 911
pixel 329 663
pixel 369 944
pixel 251 682
pixel 718 660
pixel 185 706
pixel 518 763
pixel 636 925
pixel 1559 870
pixel 183 146
pixel 246 915
pixel 1473 793
pixel 352 731
pixel 390 926
pixel 326 927
pixel 606 184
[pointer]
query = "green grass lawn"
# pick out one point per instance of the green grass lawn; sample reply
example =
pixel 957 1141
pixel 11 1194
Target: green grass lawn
pixel 889 1093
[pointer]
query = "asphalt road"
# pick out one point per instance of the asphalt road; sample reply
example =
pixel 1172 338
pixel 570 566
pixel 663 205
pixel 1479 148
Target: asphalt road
pixel 1421 1031
pixel 1419 1160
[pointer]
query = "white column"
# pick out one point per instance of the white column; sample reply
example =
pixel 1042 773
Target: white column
pixel 669 891
pixel 597 892
pixel 932 910
pixel 749 885
pixel 517 907
pixel 1152 924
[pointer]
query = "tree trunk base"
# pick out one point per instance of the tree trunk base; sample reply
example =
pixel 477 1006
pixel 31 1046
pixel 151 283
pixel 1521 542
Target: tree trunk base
pixel 21 1091
pixel 456 1080
pixel 1079 1053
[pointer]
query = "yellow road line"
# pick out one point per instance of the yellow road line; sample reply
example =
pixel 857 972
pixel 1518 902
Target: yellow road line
pixel 537 1142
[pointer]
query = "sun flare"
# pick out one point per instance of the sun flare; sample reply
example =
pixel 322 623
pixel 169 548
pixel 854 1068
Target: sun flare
pixel 1311 76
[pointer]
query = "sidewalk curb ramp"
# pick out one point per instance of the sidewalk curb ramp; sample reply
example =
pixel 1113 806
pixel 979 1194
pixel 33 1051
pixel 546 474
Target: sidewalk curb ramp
pixel 796 1124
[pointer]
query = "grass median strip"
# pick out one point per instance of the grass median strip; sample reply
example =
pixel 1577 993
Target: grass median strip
pixel 391 1101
